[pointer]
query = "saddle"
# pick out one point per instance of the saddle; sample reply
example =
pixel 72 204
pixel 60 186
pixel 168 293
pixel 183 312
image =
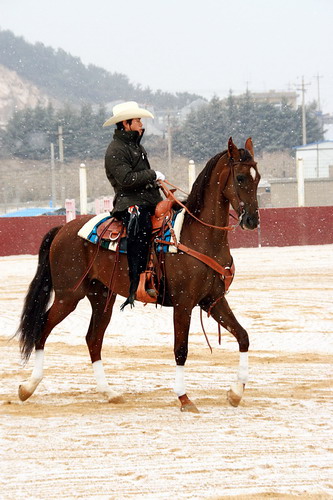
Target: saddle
pixel 111 230
pixel 114 230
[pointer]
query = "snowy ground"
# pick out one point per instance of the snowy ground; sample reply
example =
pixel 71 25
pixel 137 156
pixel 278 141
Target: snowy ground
pixel 67 442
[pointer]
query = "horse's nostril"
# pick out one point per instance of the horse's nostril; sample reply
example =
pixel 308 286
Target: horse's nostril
pixel 251 222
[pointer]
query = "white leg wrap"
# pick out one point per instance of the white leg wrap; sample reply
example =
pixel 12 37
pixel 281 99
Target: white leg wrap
pixel 28 387
pixel 243 370
pixel 102 384
pixel 38 371
pixel 179 386
pixel 99 373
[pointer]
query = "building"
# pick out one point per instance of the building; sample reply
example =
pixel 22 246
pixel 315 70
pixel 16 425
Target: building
pixel 277 98
pixel 317 159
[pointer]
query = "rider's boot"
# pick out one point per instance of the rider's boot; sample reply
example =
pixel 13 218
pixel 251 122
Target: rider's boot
pixel 131 297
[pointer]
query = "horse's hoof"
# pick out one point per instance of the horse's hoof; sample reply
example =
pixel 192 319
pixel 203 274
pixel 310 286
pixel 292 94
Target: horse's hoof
pixel 187 405
pixel 191 408
pixel 235 393
pixel 24 393
pixel 116 399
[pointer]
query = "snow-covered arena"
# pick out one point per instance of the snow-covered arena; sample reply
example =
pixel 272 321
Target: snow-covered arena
pixel 66 441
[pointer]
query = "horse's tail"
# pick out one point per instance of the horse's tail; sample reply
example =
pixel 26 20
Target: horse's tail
pixel 34 314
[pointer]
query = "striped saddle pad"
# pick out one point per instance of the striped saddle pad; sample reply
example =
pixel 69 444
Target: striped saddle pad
pixel 99 230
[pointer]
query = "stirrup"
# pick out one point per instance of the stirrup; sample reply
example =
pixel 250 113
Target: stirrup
pixel 152 293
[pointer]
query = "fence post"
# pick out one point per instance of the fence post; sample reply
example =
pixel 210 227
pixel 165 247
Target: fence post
pixel 300 182
pixel 191 174
pixel 98 206
pixel 107 204
pixel 83 188
pixel 70 210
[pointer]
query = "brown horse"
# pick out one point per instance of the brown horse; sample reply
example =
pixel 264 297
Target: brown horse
pixel 230 178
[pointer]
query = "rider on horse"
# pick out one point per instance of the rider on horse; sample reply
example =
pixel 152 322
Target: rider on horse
pixel 134 183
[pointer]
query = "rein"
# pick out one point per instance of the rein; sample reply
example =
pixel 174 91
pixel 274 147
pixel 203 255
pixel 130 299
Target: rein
pixel 91 263
pixel 169 194
pixel 223 179
pixel 226 273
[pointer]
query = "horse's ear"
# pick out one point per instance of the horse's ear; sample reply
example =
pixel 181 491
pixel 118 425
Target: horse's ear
pixel 233 150
pixel 249 146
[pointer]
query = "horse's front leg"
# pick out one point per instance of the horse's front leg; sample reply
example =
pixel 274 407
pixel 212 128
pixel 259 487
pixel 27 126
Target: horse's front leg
pixel 182 319
pixel 223 315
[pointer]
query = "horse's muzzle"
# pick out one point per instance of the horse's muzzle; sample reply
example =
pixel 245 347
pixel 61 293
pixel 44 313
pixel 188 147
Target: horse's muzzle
pixel 249 221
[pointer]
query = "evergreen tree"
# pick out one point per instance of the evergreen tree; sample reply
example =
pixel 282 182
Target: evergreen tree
pixel 204 133
pixel 102 135
pixel 231 115
pixel 313 128
pixel 67 118
pixel 273 128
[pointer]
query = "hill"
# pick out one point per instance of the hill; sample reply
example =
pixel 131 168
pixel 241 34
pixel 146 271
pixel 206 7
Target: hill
pixel 17 93
pixel 61 77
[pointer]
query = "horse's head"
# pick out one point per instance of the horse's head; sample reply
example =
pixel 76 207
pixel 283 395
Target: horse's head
pixel 242 183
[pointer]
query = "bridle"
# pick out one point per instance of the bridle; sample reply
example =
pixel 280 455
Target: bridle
pixel 169 193
pixel 223 180
pixel 232 171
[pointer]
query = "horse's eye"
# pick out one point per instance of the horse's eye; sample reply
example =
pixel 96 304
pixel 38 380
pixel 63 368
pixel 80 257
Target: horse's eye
pixel 241 179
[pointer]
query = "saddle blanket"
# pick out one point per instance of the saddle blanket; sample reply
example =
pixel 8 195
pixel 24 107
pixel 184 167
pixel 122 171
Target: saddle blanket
pixel 89 232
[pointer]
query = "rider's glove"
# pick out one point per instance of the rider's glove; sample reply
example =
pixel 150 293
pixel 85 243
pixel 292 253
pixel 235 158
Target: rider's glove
pixel 159 176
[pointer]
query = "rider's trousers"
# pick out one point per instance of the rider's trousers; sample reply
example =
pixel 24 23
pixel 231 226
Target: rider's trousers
pixel 138 224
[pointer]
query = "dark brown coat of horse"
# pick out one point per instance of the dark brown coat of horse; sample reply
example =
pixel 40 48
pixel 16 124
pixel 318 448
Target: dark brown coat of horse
pixel 230 178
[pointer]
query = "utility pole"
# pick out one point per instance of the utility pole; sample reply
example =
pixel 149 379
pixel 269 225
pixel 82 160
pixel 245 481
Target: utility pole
pixel 62 165
pixel 303 112
pixel 53 180
pixel 318 76
pixel 61 144
pixel 302 89
pixel 169 147
pixel 320 114
pixel 321 121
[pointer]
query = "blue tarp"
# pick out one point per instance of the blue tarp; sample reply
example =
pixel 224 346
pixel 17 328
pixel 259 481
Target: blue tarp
pixel 29 212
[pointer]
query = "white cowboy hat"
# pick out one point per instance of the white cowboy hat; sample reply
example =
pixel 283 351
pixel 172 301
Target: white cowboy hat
pixel 127 111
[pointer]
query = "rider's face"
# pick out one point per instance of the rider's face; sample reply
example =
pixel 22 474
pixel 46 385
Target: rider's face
pixel 134 126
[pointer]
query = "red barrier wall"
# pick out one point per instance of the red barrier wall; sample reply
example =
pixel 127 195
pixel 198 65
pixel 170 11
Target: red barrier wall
pixel 23 235
pixel 281 227
pixel 278 227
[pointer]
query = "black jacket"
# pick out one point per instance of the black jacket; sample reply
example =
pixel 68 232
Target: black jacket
pixel 127 168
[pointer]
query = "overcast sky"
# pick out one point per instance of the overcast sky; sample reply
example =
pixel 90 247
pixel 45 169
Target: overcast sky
pixel 206 46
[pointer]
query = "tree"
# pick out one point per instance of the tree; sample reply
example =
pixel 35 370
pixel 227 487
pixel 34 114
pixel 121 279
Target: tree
pixel 204 133
pixel 313 126
pixel 273 128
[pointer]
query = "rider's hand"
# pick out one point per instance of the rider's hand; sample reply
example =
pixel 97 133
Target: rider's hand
pixel 159 176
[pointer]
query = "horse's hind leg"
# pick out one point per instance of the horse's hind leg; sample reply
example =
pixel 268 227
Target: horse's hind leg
pixel 59 310
pixel 223 315
pixel 99 321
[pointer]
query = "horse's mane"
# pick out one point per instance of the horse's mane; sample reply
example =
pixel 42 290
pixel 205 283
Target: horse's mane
pixel 194 202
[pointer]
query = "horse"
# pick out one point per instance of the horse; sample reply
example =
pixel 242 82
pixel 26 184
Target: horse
pixel 229 178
